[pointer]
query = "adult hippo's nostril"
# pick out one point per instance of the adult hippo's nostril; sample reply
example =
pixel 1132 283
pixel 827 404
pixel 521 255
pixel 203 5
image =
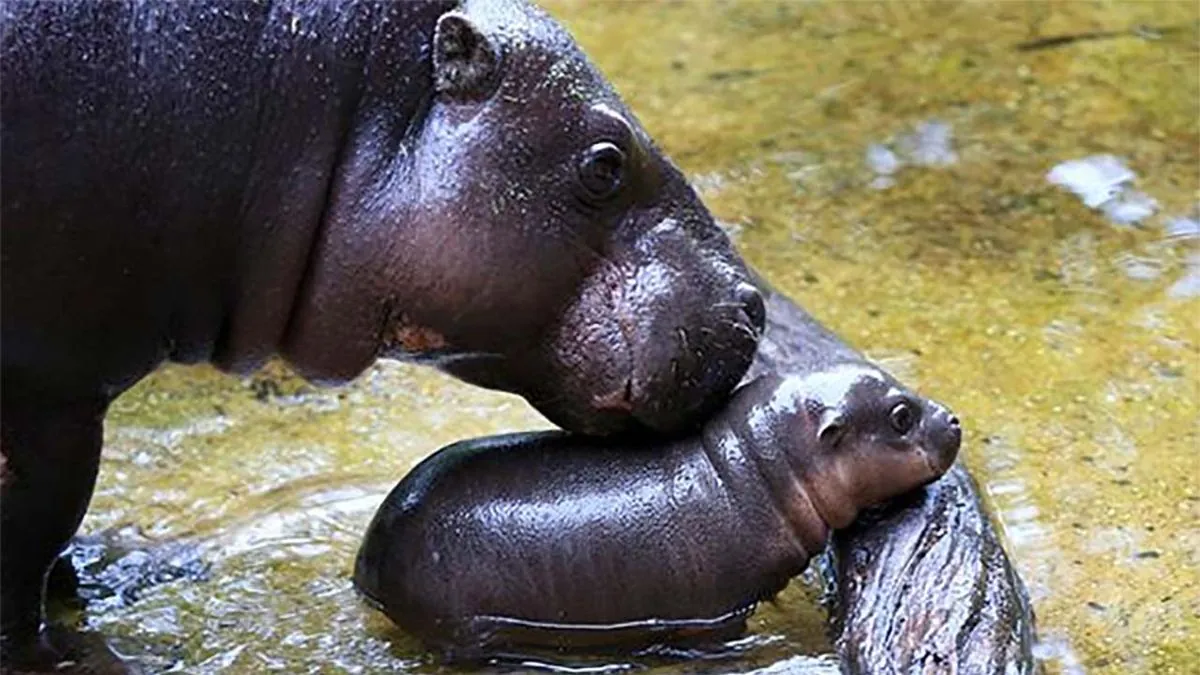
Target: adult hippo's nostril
pixel 754 307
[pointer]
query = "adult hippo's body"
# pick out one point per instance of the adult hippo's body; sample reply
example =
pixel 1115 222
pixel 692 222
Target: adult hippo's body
pixel 333 182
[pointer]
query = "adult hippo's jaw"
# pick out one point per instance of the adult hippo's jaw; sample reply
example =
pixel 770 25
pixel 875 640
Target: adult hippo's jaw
pixel 658 341
pixel 525 234
pixel 646 340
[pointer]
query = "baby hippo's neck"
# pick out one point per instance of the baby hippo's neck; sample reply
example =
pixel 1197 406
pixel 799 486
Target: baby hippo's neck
pixel 786 489
pixel 768 441
pixel 799 513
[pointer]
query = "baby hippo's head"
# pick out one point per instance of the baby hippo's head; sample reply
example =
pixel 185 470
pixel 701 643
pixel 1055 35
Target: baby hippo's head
pixel 875 439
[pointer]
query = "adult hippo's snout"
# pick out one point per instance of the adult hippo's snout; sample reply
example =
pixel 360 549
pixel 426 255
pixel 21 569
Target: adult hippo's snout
pixel 657 337
pixel 650 341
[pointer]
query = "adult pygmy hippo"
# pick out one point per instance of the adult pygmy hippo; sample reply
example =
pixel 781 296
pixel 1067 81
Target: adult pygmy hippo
pixel 546 540
pixel 332 181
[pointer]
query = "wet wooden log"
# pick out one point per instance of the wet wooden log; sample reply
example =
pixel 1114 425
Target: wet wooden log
pixel 923 584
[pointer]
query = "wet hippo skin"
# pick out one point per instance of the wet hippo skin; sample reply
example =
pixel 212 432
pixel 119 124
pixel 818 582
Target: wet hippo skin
pixel 498 546
pixel 923 584
pixel 332 182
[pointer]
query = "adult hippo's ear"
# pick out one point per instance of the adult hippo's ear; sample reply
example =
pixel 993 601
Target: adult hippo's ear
pixel 465 62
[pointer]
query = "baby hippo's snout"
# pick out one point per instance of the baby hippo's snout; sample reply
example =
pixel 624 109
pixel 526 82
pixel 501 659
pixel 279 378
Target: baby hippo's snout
pixel 944 437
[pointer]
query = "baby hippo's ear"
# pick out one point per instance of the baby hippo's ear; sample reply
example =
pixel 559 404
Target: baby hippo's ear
pixel 831 428
pixel 465 63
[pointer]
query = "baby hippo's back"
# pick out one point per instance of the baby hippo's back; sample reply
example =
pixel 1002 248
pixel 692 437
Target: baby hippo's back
pixel 522 540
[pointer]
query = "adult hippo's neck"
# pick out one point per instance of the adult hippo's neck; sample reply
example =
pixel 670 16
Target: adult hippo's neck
pixel 351 90
pixel 202 141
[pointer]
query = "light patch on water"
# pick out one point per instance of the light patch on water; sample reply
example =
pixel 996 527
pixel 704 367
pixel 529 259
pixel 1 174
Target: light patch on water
pixel 732 230
pixel 169 438
pixel 801 665
pixel 1034 552
pixel 1019 518
pixel 1188 286
pixel 929 145
pixel 885 163
pixel 800 168
pixel 1077 267
pixel 1115 446
pixel 1130 208
pixel 1055 648
pixel 1117 543
pixel 1182 228
pixel 1095 180
pixel 882 160
pixel 301 530
pixel 1139 268
pixel 1063 335
pixel 882 182
pixel 1104 183
pixel 707 185
pixel 223 660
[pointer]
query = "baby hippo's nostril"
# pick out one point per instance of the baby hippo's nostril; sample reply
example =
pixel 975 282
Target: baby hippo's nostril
pixel 753 306
pixel 945 437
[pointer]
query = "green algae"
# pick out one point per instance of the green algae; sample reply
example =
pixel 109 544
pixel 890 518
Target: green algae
pixel 979 282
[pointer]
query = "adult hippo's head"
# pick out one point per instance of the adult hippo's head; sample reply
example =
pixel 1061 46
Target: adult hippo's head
pixel 523 232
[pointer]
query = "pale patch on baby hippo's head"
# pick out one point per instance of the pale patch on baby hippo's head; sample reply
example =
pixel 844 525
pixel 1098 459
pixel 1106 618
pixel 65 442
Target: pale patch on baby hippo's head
pixel 875 439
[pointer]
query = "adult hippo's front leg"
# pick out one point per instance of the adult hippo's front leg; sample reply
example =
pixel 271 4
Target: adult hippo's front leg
pixel 51 455
pixel 440 181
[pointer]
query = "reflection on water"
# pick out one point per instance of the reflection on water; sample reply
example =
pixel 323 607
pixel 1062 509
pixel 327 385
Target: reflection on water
pixel 887 166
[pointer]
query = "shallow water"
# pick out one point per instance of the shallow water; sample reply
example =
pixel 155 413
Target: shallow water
pixel 887 167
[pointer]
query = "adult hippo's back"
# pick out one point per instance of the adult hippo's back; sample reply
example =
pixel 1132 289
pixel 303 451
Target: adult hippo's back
pixel 332 181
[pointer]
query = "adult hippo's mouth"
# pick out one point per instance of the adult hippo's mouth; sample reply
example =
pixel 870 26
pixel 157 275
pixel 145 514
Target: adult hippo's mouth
pixel 644 347
pixel 637 349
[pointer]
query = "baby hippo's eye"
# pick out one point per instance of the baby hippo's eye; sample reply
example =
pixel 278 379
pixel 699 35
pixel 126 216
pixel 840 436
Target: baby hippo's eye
pixel 903 417
pixel 602 169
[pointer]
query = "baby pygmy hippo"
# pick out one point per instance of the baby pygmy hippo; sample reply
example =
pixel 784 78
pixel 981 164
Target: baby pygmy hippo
pixel 548 540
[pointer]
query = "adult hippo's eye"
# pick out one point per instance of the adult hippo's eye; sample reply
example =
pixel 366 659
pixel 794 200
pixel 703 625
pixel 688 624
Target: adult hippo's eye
pixel 903 417
pixel 602 169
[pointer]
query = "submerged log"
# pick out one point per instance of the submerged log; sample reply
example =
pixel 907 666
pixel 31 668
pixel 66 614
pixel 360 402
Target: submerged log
pixel 923 584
